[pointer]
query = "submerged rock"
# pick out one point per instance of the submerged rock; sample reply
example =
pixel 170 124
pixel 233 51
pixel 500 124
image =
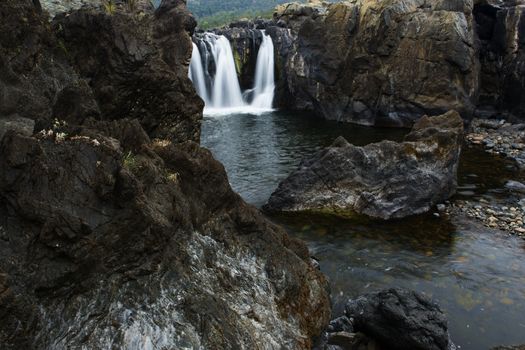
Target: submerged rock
pixel 401 319
pixel 384 180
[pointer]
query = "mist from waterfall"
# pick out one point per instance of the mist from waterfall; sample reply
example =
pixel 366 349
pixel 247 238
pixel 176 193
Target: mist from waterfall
pixel 213 73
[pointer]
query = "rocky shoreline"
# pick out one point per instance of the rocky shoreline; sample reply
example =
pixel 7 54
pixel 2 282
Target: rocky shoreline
pixel 507 212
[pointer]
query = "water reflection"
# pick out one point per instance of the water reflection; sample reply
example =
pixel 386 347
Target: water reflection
pixel 477 275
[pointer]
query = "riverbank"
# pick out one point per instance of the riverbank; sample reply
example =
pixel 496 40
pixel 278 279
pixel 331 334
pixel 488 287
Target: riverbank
pixel 506 211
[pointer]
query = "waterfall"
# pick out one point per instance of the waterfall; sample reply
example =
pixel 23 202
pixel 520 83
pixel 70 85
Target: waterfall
pixel 197 75
pixel 264 87
pixel 213 73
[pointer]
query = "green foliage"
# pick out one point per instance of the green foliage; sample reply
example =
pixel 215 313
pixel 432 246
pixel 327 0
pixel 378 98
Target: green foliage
pixel 130 162
pixel 223 18
pixel 211 8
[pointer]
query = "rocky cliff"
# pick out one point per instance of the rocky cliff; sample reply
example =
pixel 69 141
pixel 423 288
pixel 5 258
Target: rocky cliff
pixel 117 230
pixel 389 62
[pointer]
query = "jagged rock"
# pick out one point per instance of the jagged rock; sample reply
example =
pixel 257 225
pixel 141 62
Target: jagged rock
pixel 501 31
pixel 384 180
pixel 135 66
pixel 110 238
pixel 143 240
pixel 36 80
pixel 401 319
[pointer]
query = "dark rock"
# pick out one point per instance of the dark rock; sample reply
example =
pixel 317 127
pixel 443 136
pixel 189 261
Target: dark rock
pixel 341 324
pixel 401 319
pixel 19 125
pixel 378 63
pixel 514 347
pixel 110 238
pixel 144 63
pixel 515 186
pixel 384 180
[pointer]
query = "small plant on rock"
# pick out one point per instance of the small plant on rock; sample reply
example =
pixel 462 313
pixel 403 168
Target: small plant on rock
pixel 131 5
pixel 109 6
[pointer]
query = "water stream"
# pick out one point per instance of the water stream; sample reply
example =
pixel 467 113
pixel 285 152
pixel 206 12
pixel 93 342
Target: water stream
pixel 477 275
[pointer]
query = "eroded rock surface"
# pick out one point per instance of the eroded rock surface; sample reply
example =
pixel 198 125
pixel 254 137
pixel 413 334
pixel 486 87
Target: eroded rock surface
pixel 384 180
pixel 116 229
pixel 376 62
pixel 400 319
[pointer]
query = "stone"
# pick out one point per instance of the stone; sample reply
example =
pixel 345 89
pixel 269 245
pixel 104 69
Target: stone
pixel 19 125
pixel 400 319
pixel 515 186
pixel 383 180
pixel 117 230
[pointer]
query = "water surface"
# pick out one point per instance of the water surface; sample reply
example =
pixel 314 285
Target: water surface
pixel 477 275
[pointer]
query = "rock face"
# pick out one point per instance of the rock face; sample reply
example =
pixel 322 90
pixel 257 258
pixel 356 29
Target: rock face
pixel 501 32
pixel 110 239
pixel 389 62
pixel 400 319
pixel 383 180
pixel 142 75
pixel 377 62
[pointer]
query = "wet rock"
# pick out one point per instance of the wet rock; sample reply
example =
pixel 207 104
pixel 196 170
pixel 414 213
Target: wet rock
pixel 384 180
pixel 400 319
pixel 515 186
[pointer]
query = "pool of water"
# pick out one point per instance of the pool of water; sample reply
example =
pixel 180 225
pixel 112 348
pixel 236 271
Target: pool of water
pixel 477 275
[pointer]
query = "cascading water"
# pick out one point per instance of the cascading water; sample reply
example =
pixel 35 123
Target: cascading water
pixel 213 73
pixel 264 88
pixel 197 75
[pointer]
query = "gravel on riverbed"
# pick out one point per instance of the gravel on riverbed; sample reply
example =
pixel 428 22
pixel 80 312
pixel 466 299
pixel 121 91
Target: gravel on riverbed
pixel 500 138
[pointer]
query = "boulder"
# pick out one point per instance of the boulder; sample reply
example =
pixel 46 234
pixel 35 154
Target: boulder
pixel 400 319
pixel 384 180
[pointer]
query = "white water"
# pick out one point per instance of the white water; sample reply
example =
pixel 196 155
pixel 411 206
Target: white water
pixel 221 91
pixel 197 75
pixel 264 75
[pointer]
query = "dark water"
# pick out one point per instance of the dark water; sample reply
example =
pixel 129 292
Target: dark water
pixel 477 275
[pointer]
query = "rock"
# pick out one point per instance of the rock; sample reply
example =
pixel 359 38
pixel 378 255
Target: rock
pixel 384 180
pixel 111 237
pixel 400 319
pixel 19 125
pixel 515 186
pixel 380 63
pixel 144 75
pixel 502 56
pixel 515 347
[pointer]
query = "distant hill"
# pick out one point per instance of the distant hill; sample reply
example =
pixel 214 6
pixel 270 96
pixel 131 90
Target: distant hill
pixel 206 8
pixel 214 13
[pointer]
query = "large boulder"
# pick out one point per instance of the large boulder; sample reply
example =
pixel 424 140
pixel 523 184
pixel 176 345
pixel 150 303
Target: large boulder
pixel 400 319
pixel 383 180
